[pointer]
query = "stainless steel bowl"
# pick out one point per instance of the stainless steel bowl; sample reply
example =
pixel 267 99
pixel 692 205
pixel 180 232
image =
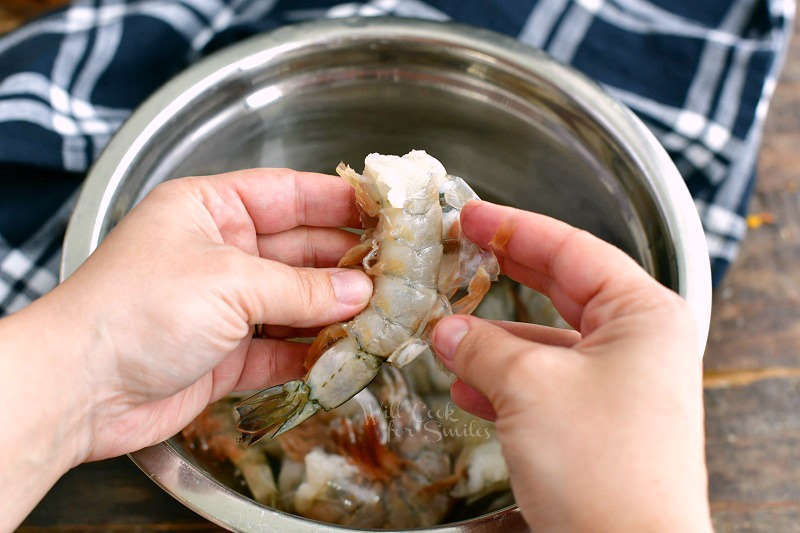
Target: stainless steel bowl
pixel 521 128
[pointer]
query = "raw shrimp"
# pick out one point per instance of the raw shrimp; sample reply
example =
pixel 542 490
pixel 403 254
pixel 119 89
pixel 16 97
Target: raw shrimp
pixel 355 478
pixel 415 252
pixel 419 496
pixel 480 469
pixel 333 490
pixel 214 432
pixel 360 410
pixel 319 480
pixel 427 375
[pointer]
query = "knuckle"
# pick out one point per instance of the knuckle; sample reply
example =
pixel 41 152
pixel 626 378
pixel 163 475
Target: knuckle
pixel 300 204
pixel 676 309
pixel 272 363
pixel 173 191
pixel 674 303
pixel 575 239
pixel 654 297
pixel 309 250
pixel 229 266
pixel 308 287
pixel 630 299
pixel 172 187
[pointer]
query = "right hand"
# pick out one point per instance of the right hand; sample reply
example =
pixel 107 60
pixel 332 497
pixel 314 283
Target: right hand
pixel 602 428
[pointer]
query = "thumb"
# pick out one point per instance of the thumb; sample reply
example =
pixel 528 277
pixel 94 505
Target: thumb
pixel 275 293
pixel 486 358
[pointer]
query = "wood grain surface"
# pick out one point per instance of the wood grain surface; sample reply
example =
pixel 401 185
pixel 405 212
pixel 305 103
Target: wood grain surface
pixel 15 12
pixel 752 365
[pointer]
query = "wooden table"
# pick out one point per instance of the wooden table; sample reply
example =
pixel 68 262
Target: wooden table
pixel 752 379
pixel 753 359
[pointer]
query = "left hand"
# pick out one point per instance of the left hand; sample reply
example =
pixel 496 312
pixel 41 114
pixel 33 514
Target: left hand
pixel 158 322
pixel 173 292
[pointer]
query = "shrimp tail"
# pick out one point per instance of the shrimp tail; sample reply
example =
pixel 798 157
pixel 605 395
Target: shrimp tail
pixel 273 411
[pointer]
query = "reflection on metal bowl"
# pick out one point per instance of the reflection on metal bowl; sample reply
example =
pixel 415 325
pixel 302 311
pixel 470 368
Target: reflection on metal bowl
pixel 522 129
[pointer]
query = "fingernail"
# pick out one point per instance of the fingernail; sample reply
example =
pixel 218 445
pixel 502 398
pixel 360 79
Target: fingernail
pixel 351 287
pixel 448 335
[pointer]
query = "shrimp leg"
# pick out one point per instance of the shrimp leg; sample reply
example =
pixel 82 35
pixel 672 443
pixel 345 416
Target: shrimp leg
pixel 407 352
pixel 356 254
pixel 478 287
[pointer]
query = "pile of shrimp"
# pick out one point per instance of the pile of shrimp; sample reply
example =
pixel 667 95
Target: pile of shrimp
pixel 387 448
pixel 385 459
pixel 399 454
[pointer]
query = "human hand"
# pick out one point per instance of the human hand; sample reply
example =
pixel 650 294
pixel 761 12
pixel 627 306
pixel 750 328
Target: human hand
pixel 158 321
pixel 602 430
pixel 173 292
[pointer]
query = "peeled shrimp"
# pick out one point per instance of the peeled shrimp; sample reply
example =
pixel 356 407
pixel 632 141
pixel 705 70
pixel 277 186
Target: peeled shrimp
pixel 414 250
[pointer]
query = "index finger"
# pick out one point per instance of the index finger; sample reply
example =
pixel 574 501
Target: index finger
pixel 570 265
pixel 278 199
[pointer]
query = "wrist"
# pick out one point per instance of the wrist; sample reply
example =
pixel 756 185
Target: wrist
pixel 61 350
pixel 45 402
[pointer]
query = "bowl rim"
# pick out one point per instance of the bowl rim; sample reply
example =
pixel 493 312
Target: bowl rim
pixel 162 462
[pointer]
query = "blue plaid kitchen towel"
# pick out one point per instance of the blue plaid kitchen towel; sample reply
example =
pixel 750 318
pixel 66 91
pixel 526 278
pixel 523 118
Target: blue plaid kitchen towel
pixel 700 73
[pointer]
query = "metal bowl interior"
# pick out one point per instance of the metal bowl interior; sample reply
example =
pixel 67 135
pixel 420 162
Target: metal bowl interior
pixel 520 128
